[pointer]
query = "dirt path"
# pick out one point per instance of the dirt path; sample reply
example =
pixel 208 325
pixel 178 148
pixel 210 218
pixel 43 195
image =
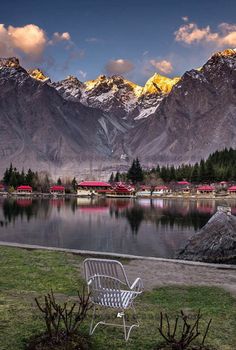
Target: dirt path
pixel 158 273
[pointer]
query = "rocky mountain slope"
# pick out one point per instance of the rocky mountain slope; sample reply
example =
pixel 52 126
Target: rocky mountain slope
pixel 90 128
pixel 118 96
pixel 41 130
pixel 197 117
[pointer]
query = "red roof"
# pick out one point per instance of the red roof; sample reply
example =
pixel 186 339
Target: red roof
pixel 158 188
pixel 183 183
pixel 205 188
pixel 232 189
pixel 57 188
pixel 25 188
pixel 2 186
pixel 122 188
pixel 94 184
pixel 144 187
pixel 105 190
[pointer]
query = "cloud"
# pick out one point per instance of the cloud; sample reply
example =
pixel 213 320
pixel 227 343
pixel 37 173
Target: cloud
pixel 163 66
pixel 191 34
pixel 6 48
pixel 119 66
pixel 29 39
pixel 93 40
pixel 185 18
pixel 57 37
pixel 82 74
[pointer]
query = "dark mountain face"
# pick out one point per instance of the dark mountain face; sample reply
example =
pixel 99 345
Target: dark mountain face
pixel 91 128
pixel 41 130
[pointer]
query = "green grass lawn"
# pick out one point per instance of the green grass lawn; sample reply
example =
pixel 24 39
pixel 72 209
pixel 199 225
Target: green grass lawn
pixel 26 274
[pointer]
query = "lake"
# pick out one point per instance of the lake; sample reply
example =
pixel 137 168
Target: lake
pixel 158 227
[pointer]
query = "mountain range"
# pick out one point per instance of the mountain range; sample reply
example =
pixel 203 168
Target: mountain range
pixel 88 129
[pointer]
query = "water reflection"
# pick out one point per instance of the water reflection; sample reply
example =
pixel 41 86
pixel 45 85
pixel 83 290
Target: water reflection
pixel 155 227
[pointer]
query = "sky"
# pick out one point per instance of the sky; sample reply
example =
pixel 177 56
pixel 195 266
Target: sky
pixel 132 38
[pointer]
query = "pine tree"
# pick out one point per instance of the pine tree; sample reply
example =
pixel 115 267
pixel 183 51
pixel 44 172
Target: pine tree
pixel 117 177
pixel 135 172
pixel 195 173
pixel 172 173
pixel 13 180
pixel 111 180
pixel 59 182
pixel 22 177
pixel 139 171
pixel 202 171
pixel 7 175
pixel 29 177
pixel 209 171
pixel 74 184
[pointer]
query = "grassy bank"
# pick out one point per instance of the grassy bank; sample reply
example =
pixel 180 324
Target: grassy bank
pixel 26 274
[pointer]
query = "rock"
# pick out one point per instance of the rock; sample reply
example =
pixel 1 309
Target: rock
pixel 215 242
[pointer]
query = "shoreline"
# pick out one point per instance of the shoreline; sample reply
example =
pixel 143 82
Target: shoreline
pixel 74 195
pixel 119 255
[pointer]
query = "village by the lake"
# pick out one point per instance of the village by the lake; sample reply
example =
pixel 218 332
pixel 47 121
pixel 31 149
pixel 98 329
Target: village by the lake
pixel 118 175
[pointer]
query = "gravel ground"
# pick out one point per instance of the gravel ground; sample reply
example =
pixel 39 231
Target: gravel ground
pixel 158 273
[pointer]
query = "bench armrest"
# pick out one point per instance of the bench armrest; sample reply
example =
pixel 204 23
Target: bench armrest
pixel 137 286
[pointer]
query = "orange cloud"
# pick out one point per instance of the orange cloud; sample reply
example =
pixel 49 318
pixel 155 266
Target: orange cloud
pixel 163 66
pixel 119 66
pixel 5 44
pixel 30 39
pixel 190 33
pixel 57 37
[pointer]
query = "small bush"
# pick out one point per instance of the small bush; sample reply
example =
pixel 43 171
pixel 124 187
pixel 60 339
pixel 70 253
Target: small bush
pixel 182 333
pixel 63 323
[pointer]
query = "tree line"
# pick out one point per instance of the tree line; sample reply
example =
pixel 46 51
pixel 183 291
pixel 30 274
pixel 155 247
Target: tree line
pixel 39 181
pixel 219 166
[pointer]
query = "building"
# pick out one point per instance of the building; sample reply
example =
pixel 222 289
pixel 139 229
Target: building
pixel 2 188
pixel 56 189
pixel 121 190
pixel 183 187
pixel 160 190
pixel 90 188
pixel 24 190
pixel 144 191
pixel 206 190
pixel 232 190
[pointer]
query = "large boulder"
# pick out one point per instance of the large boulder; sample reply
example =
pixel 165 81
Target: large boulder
pixel 215 242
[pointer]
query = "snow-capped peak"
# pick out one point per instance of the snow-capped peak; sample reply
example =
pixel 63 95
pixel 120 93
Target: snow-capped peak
pixel 10 62
pixel 159 84
pixel 38 74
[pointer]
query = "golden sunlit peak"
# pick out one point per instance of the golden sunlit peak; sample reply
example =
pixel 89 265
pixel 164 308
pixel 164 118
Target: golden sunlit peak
pixel 11 62
pixel 226 53
pixel 114 83
pixel 159 84
pixel 72 78
pixel 136 88
pixel 91 83
pixel 38 74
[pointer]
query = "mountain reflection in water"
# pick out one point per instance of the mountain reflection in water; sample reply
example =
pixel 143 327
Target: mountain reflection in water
pixel 157 227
